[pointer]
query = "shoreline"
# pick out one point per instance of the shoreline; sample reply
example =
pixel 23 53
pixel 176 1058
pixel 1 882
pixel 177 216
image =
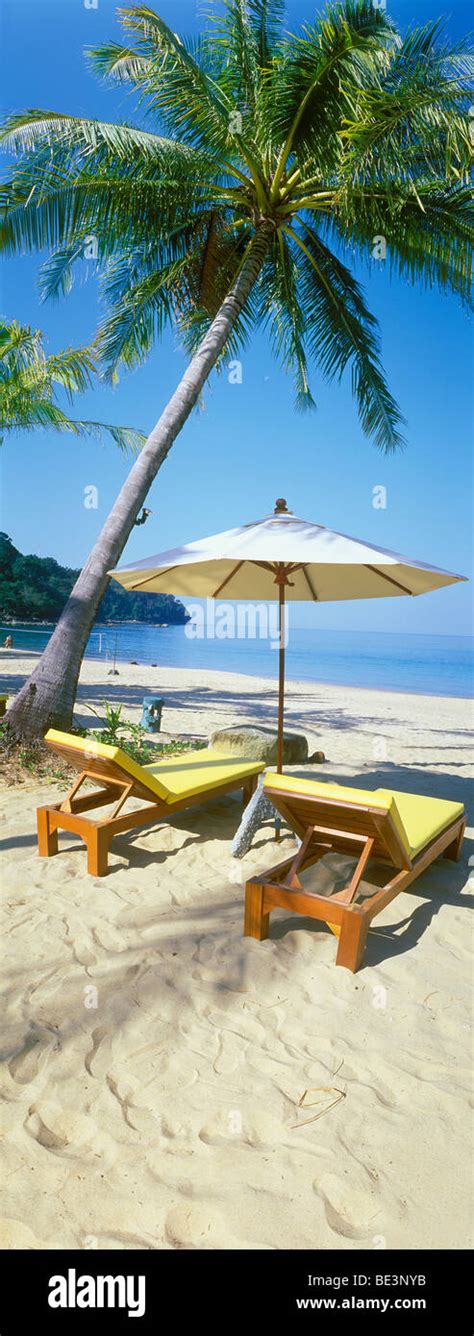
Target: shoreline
pixel 390 739
pixel 291 682
pixel 331 630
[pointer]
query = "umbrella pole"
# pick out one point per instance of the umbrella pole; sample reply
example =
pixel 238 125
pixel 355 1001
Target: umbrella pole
pixel 281 675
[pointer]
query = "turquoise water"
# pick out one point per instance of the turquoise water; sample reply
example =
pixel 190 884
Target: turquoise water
pixel 429 665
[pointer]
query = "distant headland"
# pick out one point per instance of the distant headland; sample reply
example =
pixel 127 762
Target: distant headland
pixel 35 589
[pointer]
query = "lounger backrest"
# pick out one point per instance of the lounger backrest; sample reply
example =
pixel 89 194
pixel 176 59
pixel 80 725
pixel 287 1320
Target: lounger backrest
pixel 337 807
pixel 104 761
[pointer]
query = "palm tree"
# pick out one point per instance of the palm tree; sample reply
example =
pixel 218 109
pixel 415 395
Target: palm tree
pixel 281 157
pixel 29 380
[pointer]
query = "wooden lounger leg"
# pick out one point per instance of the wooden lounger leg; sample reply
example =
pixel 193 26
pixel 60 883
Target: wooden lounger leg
pixel 352 939
pixel 454 850
pixel 97 840
pixel 255 922
pixel 47 837
pixel 248 789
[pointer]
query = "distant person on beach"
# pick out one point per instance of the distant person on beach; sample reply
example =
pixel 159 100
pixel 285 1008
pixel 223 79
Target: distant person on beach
pixel 8 642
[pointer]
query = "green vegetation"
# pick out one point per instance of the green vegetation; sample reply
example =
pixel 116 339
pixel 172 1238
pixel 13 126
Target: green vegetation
pixel 40 762
pixel 30 379
pixel 132 738
pixel 36 589
pixel 32 757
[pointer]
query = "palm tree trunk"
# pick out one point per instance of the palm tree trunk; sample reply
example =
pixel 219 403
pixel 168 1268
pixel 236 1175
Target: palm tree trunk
pixel 47 698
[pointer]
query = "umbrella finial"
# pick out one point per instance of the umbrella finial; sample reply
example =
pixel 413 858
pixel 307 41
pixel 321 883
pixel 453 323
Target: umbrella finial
pixel 280 506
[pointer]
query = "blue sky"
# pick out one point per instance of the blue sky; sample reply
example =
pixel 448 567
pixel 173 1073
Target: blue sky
pixel 247 445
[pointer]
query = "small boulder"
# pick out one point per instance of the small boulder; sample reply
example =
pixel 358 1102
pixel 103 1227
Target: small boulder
pixel 260 744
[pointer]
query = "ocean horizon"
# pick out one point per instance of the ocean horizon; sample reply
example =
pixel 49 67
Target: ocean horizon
pixel 429 665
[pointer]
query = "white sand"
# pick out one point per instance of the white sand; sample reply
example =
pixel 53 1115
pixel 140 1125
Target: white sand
pixel 154 1059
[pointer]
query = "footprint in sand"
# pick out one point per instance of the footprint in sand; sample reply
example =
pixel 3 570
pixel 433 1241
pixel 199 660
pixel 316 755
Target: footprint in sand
pixel 257 1130
pixel 64 1131
pixel 172 1128
pixel 193 1225
pixel 176 1138
pixel 107 937
pixel 16 1235
pixel 26 1064
pixel 350 1211
pixel 97 1060
pixel 78 943
pixel 231 1051
pixel 123 1092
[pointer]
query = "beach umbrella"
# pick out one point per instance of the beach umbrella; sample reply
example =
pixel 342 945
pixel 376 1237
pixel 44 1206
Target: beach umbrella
pixel 285 558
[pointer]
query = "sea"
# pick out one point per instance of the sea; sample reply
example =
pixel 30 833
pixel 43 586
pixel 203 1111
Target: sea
pixel 429 665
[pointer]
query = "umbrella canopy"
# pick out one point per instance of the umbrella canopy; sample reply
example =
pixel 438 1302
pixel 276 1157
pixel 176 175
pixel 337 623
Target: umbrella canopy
pixel 321 565
pixel 285 558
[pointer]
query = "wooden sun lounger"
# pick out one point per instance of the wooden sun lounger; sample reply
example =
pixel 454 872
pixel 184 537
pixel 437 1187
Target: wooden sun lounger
pixel 406 831
pixel 167 786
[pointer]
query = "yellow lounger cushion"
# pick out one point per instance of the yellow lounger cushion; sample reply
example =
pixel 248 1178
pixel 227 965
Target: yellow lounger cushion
pixel 196 772
pixel 424 818
pixel 418 819
pixel 174 778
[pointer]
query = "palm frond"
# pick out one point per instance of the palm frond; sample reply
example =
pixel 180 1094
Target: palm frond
pixel 340 331
pixel 130 330
pixel 180 83
pixel 266 20
pixel 113 61
pixel 28 381
pixel 183 281
pixel 233 41
pixel 428 234
pixel 23 131
pixel 282 313
pixel 319 73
